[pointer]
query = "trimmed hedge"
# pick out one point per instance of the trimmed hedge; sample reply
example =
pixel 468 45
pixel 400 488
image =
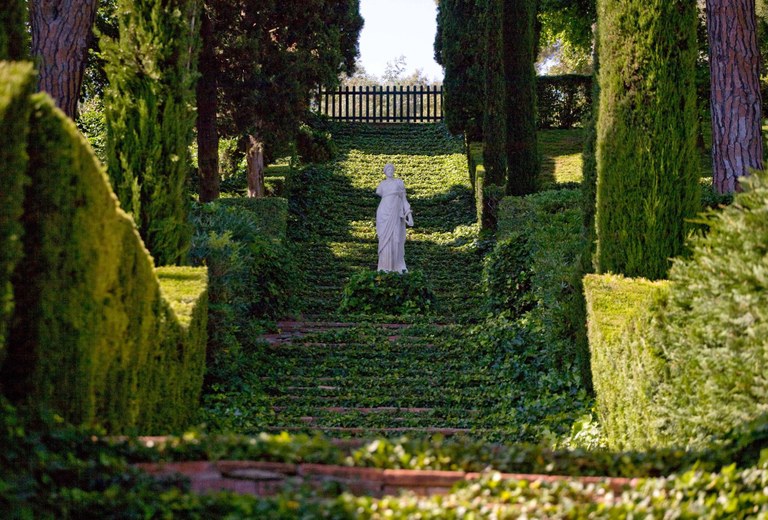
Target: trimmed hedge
pixel 92 337
pixel 691 366
pixel 563 101
pixel 14 37
pixel 625 372
pixel 17 81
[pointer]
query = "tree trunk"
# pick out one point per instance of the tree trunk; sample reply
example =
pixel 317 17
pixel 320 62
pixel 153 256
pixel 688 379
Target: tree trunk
pixel 255 160
pixel 60 31
pixel 207 131
pixel 734 63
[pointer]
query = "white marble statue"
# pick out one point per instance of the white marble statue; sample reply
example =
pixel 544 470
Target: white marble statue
pixel 391 218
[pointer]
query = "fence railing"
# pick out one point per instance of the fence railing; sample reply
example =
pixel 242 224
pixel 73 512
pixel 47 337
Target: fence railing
pixel 382 104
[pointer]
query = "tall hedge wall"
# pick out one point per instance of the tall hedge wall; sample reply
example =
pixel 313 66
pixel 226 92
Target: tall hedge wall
pixel 16 83
pixel 647 165
pixel 92 335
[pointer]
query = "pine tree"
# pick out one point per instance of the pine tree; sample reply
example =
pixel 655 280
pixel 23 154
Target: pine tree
pixel 14 43
pixel 647 169
pixel 519 58
pixel 149 103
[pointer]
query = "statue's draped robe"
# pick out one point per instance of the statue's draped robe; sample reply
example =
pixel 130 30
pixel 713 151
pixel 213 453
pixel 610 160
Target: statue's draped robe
pixel 390 225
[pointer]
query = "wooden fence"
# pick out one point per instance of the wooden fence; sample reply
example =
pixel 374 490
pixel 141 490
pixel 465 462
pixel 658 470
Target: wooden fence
pixel 382 104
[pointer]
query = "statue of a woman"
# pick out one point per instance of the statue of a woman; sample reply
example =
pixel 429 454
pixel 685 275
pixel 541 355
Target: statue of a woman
pixel 391 218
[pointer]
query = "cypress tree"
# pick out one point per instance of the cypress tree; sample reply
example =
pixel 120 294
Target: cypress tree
pixel 14 42
pixel 519 57
pixel 459 49
pixel 494 114
pixel 647 168
pixel 151 69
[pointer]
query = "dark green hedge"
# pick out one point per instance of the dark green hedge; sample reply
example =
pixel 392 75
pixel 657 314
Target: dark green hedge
pixel 563 101
pixel 16 83
pixel 92 336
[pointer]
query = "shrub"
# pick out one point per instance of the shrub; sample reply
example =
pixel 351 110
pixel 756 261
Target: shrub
pixel 93 124
pixel 252 273
pixel 314 146
pixel 388 293
pixel 14 37
pixel 507 276
pixel 563 101
pixel 17 81
pixel 150 119
pixel 93 337
pixel 713 327
pixel 626 371
pixel 647 164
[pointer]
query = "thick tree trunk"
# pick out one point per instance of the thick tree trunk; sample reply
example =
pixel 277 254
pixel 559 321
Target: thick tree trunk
pixel 734 62
pixel 255 160
pixel 207 131
pixel 60 31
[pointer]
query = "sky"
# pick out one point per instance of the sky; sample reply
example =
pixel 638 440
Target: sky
pixel 399 27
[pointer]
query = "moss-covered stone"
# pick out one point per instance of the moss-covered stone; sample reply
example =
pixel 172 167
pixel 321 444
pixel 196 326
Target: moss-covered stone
pixel 16 83
pixel 626 370
pixel 92 335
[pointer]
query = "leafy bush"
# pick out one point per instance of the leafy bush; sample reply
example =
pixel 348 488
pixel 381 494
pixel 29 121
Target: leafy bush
pixel 563 101
pixel 250 268
pixel 93 125
pixel 507 276
pixel 314 146
pixel 388 293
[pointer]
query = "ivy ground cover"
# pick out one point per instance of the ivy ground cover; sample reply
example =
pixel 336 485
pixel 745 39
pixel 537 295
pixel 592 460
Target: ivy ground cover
pixel 449 371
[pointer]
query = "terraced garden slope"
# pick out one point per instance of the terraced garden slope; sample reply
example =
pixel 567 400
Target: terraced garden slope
pixel 335 209
pixel 372 375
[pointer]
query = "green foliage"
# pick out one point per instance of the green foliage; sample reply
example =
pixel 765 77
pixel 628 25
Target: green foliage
pixel 150 119
pixel 314 145
pixel 545 226
pixel 14 37
pixel 626 371
pixel 507 276
pixel 92 123
pixel 690 366
pixel 495 109
pixel 372 292
pixel 647 171
pixel 519 55
pixel 459 49
pixel 563 101
pixel 16 83
pixel 713 326
pixel 252 274
pixel 272 59
pixel 92 336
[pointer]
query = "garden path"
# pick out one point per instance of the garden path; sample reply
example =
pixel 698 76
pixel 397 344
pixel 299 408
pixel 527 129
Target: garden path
pixel 367 376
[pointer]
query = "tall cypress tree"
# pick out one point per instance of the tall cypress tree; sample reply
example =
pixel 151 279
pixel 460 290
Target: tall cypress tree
pixel 519 58
pixel 646 134
pixel 459 49
pixel 14 43
pixel 495 113
pixel 149 103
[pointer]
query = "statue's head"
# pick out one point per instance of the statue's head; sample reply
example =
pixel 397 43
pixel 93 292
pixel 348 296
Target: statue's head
pixel 389 170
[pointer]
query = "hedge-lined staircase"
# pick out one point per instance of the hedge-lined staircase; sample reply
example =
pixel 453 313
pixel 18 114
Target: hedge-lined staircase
pixel 344 378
